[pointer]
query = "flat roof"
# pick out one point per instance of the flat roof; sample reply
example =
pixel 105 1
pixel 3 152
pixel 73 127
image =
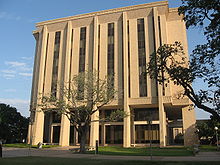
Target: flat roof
pixel 115 10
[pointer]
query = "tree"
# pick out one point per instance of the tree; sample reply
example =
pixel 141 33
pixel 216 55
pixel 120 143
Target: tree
pixel 170 63
pixel 13 126
pixel 206 131
pixel 79 99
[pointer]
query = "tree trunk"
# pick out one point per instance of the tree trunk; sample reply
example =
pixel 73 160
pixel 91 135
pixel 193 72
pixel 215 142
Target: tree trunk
pixel 83 141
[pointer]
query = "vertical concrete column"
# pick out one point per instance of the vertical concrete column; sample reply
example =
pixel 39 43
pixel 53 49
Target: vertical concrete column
pixel 75 52
pixel 119 61
pixel 94 129
pixel 34 89
pixel 29 134
pixel 65 123
pixel 117 57
pixel 134 70
pixel 147 48
pixel 162 114
pixel 102 129
pixel 38 125
pixel 151 83
pixel 164 39
pixel 49 64
pixel 64 131
pixel 103 51
pixel 127 120
pixel 162 120
pixel 189 123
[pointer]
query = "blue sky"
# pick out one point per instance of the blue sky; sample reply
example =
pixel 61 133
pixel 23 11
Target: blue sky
pixel 18 18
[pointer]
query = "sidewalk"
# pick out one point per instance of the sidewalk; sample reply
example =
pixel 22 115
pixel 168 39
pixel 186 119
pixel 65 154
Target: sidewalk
pixel 65 153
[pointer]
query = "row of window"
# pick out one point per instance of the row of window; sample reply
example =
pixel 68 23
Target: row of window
pixel 110 56
pixel 140 114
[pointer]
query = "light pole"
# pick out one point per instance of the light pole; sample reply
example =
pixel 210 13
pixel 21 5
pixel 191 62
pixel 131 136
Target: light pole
pixel 149 121
pixel 216 133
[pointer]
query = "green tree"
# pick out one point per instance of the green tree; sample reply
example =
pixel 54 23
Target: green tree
pixel 170 63
pixel 13 126
pixel 206 131
pixel 79 99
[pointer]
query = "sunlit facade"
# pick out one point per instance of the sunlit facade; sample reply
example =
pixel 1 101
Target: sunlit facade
pixel 116 41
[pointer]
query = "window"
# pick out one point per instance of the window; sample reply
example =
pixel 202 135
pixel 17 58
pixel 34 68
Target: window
pixel 146 114
pixel 110 67
pixel 82 57
pixel 55 64
pixel 145 133
pixel 82 49
pixel 142 58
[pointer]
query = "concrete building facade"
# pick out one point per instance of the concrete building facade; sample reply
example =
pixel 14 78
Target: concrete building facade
pixel 117 41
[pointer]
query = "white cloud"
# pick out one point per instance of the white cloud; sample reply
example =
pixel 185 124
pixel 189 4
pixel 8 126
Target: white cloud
pixel 14 68
pixel 8 76
pixel 15 64
pixel 18 65
pixel 26 68
pixel 10 90
pixel 21 105
pixel 25 74
pixel 26 58
pixel 8 71
pixel 15 101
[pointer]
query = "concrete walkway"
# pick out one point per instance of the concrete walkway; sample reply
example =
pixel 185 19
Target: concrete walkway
pixel 65 153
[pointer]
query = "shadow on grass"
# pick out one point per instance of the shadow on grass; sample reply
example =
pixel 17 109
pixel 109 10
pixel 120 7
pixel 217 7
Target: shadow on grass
pixel 71 161
pixel 24 145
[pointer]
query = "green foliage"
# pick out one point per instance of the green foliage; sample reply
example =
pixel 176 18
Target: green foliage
pixel 205 58
pixel 13 126
pixel 170 63
pixel 206 131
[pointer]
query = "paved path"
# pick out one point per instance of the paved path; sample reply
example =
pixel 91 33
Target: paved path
pixel 65 153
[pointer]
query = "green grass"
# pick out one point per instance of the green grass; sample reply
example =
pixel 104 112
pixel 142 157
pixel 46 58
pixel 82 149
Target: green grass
pixel 156 151
pixel 71 161
pixel 208 148
pixel 24 145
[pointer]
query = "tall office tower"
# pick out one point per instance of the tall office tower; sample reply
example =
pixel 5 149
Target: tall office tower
pixel 116 41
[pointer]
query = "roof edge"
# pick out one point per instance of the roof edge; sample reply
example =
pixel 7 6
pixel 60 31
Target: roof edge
pixel 121 9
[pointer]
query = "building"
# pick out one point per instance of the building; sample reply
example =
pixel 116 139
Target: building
pixel 120 41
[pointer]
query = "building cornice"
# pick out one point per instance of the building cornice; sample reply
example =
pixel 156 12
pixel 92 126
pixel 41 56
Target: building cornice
pixel 115 10
pixel 173 10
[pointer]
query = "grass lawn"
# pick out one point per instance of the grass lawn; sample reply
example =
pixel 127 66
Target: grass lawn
pixel 208 148
pixel 70 161
pixel 24 145
pixel 156 151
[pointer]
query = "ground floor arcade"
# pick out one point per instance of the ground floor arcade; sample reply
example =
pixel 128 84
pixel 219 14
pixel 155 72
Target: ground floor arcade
pixel 144 125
